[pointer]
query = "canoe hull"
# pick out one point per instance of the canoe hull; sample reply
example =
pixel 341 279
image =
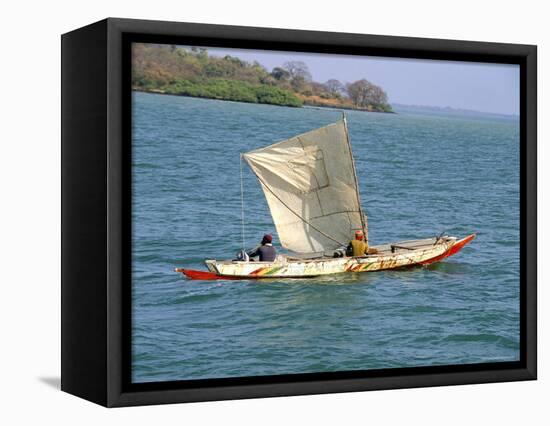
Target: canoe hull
pixel 390 256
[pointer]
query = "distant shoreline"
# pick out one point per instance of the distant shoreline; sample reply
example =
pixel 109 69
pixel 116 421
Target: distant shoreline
pixel 306 104
pixel 317 104
pixel 453 111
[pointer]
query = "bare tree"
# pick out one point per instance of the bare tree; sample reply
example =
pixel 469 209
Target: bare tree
pixel 299 73
pixel 363 93
pixel 379 97
pixel 359 92
pixel 334 87
pixel 298 69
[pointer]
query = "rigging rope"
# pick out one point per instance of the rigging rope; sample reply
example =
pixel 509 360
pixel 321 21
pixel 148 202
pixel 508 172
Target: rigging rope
pixel 242 198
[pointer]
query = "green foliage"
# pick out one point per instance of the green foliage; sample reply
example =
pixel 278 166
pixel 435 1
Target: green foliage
pixel 233 90
pixel 276 96
pixel 383 107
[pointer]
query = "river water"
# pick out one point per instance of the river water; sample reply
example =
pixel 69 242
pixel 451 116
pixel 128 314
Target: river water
pixel 419 175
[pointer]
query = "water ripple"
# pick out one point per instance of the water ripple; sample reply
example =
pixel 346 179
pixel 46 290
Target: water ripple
pixel 415 181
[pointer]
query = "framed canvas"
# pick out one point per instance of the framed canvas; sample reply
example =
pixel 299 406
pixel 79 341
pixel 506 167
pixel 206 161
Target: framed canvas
pixel 254 212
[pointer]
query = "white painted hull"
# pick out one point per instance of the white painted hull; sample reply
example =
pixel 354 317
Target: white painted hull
pixel 389 256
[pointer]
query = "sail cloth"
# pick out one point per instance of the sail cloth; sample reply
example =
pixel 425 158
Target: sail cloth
pixel 310 185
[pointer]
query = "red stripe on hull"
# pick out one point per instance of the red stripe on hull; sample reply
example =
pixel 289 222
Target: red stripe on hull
pixel 203 275
pixel 455 248
pixel 194 274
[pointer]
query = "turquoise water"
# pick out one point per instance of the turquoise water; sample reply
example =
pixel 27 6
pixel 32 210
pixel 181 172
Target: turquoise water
pixel 419 175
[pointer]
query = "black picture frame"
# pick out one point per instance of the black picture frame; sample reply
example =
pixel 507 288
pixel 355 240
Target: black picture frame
pixel 96 200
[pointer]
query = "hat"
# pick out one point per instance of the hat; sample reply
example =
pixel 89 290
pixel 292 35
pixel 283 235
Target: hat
pixel 267 239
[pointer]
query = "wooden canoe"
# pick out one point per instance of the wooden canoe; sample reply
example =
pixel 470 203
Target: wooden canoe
pixel 387 256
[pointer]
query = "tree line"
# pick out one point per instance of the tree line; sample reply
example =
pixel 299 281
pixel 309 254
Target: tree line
pixel 362 93
pixel 192 72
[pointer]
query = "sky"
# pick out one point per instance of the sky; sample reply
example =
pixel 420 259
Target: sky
pixel 462 85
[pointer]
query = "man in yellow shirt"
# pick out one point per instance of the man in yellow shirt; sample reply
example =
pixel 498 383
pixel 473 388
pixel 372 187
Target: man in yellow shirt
pixel 358 246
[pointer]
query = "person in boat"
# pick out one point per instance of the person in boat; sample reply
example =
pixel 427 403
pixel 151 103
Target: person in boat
pixel 266 252
pixel 358 246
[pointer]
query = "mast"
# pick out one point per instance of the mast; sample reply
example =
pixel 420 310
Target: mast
pixel 362 216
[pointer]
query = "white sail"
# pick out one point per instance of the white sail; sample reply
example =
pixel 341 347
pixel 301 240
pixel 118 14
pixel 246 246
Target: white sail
pixel 310 185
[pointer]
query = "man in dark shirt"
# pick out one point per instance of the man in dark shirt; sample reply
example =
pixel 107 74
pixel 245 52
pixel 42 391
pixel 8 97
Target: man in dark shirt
pixel 266 251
